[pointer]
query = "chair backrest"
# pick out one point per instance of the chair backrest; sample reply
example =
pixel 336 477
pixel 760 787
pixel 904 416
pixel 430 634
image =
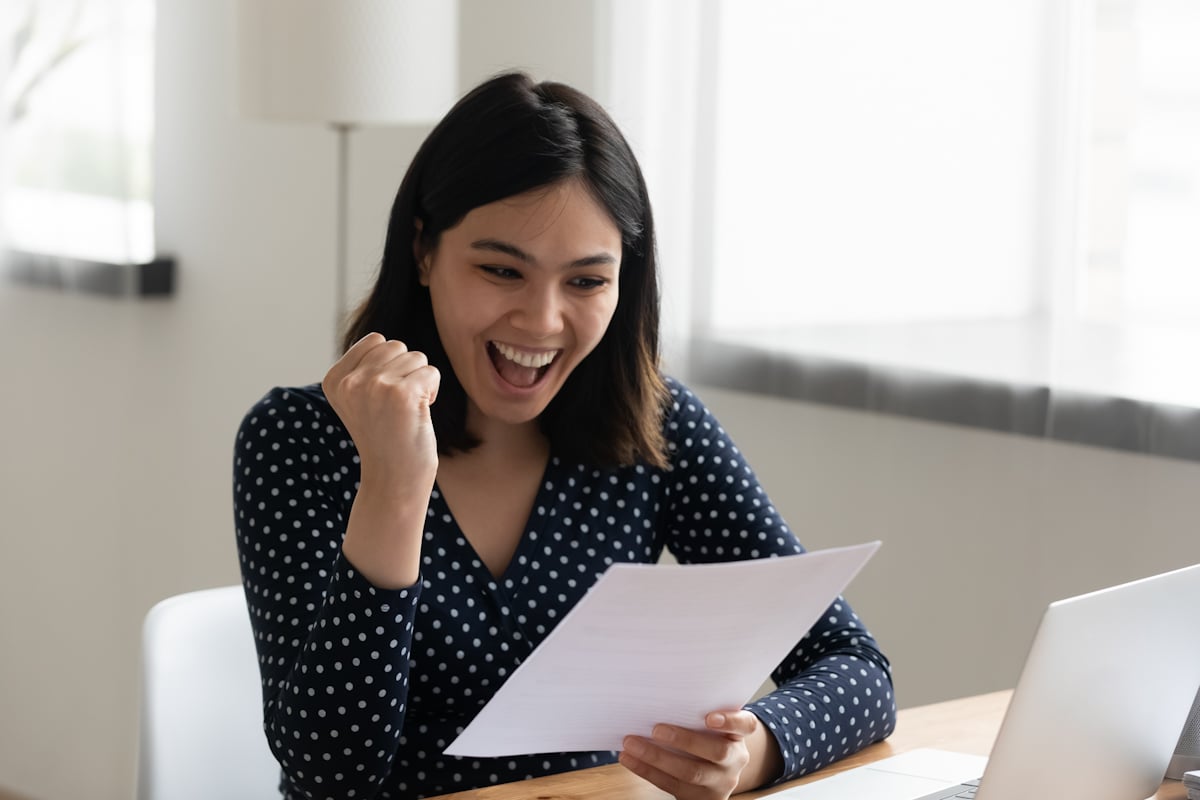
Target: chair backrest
pixel 201 712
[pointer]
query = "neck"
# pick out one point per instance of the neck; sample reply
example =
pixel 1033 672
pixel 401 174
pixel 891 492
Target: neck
pixel 503 441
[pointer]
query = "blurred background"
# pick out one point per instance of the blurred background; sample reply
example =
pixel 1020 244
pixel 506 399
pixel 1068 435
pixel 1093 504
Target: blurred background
pixel 983 217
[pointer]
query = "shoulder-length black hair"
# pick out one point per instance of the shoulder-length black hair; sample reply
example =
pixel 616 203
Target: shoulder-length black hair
pixel 507 136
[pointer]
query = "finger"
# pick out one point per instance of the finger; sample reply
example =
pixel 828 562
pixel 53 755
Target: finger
pixel 408 379
pixel 739 722
pixel 429 380
pixel 662 780
pixel 685 755
pixel 711 746
pixel 382 353
pixel 351 358
pixel 642 757
pixel 377 358
pixel 394 362
pixel 360 348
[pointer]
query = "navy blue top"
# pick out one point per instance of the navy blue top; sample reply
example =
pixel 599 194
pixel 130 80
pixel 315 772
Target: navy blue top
pixel 364 688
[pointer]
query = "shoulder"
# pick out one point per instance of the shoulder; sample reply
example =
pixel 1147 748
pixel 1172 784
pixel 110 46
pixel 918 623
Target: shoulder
pixel 286 412
pixel 289 404
pixel 683 409
pixel 680 397
pixel 689 427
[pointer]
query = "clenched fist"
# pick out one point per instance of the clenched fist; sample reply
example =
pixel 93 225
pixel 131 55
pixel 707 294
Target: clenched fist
pixel 382 392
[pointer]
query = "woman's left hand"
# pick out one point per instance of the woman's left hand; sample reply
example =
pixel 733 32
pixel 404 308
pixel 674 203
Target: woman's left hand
pixel 732 754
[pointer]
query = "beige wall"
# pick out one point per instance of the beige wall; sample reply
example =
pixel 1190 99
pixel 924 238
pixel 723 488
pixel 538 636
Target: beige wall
pixel 980 529
pixel 118 416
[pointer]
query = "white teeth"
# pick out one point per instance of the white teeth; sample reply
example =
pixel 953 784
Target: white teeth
pixel 535 360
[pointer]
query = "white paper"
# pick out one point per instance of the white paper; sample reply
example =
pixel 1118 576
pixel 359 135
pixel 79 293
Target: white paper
pixel 654 643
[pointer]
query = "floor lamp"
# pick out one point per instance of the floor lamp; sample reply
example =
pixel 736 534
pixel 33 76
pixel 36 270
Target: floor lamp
pixel 347 63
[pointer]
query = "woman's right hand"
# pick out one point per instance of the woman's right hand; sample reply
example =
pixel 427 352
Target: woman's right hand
pixel 382 392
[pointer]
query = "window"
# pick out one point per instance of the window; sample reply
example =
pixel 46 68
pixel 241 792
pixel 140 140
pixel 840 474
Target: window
pixel 1143 146
pixel 1003 193
pixel 78 129
pixel 874 167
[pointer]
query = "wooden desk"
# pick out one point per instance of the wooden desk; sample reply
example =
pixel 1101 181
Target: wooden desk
pixel 968 725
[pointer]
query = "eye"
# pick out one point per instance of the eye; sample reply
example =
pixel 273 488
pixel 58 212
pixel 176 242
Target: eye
pixel 503 273
pixel 589 283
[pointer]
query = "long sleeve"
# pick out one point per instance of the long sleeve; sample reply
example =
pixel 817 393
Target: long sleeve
pixel 333 650
pixel 834 693
pixel 363 689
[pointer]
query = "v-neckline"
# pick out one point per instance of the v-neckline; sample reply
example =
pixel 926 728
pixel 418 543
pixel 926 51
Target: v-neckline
pixel 514 567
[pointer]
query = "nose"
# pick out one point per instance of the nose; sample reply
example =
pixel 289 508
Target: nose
pixel 539 311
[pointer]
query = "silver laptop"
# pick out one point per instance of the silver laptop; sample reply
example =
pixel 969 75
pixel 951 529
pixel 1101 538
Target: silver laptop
pixel 1096 714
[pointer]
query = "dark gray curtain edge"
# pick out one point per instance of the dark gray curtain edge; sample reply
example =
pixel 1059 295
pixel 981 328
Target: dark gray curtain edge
pixel 1046 412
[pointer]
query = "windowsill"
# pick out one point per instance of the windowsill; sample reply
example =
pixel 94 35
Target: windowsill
pixel 61 273
pixel 1131 390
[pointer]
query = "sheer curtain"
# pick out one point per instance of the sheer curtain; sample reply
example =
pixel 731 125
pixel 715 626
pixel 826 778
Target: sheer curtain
pixel 77 128
pixel 658 87
pixel 969 212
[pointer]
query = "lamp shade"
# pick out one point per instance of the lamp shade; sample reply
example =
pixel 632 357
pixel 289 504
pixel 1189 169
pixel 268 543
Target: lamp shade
pixel 349 62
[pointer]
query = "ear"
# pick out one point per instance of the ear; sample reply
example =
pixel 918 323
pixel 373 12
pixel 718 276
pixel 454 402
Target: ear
pixel 421 254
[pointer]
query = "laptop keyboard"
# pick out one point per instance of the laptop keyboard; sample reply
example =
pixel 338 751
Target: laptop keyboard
pixel 964 790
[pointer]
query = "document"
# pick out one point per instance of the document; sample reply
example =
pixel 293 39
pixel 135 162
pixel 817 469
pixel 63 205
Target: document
pixel 654 643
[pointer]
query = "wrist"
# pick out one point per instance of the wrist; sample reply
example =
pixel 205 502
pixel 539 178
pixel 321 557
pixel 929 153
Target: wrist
pixel 383 534
pixel 766 762
pixel 406 483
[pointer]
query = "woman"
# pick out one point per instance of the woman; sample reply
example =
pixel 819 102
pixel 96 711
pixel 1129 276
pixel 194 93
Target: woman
pixel 496 435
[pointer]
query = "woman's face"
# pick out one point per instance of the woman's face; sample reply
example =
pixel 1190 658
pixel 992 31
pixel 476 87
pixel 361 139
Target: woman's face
pixel 522 290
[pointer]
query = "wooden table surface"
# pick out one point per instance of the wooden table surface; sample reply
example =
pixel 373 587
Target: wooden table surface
pixel 967 725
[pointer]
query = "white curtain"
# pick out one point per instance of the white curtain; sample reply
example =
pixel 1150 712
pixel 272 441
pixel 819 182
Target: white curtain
pixel 661 66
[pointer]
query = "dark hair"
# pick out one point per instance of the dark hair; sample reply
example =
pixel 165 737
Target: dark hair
pixel 508 136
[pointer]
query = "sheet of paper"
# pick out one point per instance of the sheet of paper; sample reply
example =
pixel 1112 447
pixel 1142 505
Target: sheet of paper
pixel 658 643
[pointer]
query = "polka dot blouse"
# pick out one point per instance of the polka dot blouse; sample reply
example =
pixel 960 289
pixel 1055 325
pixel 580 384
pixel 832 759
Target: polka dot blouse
pixel 364 688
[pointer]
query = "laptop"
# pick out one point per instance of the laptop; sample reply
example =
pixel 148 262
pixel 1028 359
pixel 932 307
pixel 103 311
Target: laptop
pixel 1104 693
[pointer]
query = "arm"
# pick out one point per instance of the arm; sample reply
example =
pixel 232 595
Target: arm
pixel 334 642
pixel 834 695
pixel 834 692
pixel 382 392
pixel 312 613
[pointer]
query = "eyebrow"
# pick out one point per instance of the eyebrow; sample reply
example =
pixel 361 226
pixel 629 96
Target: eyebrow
pixel 498 246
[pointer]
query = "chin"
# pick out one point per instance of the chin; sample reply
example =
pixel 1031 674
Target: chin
pixel 494 406
pixel 511 416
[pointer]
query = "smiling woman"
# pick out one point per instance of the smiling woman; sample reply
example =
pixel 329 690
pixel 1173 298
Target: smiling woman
pixel 495 436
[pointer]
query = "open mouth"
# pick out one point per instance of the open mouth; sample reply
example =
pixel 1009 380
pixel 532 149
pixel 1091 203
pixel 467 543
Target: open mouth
pixel 520 368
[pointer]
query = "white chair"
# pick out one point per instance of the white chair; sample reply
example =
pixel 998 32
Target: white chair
pixel 201 715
